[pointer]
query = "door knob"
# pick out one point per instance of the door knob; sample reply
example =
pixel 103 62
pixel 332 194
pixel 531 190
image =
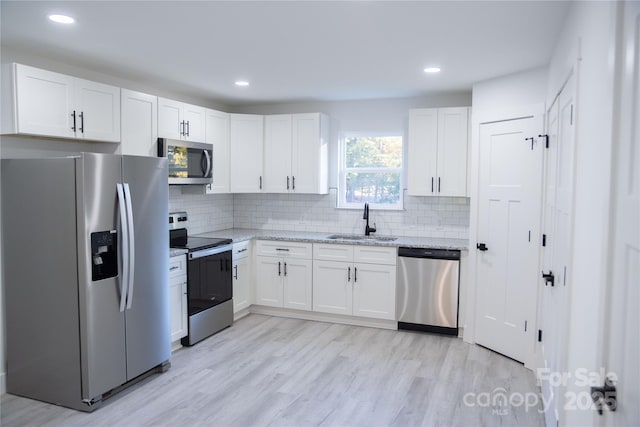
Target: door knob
pixel 482 247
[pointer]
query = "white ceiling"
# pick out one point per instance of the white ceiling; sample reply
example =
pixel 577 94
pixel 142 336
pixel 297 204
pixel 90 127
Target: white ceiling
pixel 292 50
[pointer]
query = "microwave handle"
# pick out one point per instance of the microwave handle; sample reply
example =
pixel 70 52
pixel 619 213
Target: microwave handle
pixel 207 169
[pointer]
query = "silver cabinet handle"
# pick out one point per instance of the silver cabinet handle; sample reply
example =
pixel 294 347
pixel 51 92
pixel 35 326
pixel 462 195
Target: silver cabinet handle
pixel 187 127
pixel 82 121
pixel 182 127
pixel 242 250
pixel 236 273
pixel 124 227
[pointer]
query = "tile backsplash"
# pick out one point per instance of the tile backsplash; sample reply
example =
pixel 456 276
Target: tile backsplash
pixel 421 217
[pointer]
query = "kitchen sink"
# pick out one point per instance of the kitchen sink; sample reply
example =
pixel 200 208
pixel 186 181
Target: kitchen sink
pixel 358 237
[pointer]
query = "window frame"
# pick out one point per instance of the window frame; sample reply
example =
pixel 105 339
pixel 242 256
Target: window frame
pixel 343 170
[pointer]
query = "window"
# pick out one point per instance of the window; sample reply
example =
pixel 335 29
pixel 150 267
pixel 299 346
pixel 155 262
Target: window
pixel 370 171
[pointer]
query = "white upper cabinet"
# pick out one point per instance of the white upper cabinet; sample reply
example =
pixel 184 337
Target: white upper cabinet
pixel 309 164
pixel 295 153
pixel 139 124
pixel 41 102
pixel 217 133
pixel 178 120
pixel 437 152
pixel 277 153
pixel 245 138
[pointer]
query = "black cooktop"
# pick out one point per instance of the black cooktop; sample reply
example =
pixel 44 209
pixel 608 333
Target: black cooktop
pixel 178 239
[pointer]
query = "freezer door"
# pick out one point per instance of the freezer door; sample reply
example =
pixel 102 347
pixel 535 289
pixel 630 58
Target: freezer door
pixel 147 316
pixel 102 325
pixel 427 291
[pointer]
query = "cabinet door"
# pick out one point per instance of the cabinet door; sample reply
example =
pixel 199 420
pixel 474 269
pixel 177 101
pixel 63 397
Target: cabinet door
pixel 374 291
pixel 277 153
pixel 178 308
pixel 332 289
pixel 309 166
pixel 169 118
pixel 246 135
pixel 297 284
pixel 422 152
pixel 217 133
pixel 452 151
pixel 269 281
pixel 139 122
pixel 99 106
pixel 45 102
pixel 241 296
pixel 194 118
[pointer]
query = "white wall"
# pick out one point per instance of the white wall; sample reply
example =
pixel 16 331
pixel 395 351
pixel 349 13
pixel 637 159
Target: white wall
pixel 588 38
pixel 527 87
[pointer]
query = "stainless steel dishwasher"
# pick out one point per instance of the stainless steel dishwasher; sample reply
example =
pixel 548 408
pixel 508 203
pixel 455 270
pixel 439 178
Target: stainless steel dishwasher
pixel 427 290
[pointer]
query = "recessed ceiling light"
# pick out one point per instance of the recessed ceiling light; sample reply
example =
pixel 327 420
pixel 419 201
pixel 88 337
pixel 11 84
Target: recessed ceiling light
pixel 242 83
pixel 62 19
pixel 432 70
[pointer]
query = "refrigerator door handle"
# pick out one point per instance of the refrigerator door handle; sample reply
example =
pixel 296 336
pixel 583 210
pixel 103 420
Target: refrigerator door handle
pixel 124 242
pixel 132 244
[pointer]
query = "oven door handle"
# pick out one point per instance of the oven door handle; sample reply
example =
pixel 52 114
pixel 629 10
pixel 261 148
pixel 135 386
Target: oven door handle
pixel 124 248
pixel 212 251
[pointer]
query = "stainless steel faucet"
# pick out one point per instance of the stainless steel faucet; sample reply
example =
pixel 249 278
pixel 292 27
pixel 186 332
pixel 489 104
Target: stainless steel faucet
pixel 368 230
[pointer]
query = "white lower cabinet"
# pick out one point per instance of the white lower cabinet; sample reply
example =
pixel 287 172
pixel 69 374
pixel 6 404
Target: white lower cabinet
pixel 284 275
pixel 178 297
pixel 241 277
pixel 355 288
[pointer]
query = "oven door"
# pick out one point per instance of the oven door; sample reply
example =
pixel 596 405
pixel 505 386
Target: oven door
pixel 189 162
pixel 209 278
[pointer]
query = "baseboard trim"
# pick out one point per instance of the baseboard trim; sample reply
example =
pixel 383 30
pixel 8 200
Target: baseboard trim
pixel 240 314
pixel 324 317
pixel 3 383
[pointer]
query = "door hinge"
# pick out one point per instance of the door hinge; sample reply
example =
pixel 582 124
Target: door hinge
pixel 539 335
pixel 571 118
pixel 546 137
pixel 544 240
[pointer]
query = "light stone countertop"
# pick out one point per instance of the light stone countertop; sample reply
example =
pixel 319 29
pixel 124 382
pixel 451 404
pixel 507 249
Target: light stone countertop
pixel 242 234
pixel 176 251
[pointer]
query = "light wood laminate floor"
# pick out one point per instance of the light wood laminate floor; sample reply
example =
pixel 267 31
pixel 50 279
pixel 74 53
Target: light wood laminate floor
pixel 277 371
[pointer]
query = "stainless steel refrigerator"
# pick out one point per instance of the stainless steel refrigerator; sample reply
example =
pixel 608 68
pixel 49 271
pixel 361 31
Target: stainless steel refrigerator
pixel 86 275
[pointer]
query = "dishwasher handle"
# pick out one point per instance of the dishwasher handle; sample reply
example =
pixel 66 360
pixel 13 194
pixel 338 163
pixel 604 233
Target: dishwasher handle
pixel 450 254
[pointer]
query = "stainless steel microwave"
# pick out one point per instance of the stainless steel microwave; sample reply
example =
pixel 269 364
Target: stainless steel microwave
pixel 189 162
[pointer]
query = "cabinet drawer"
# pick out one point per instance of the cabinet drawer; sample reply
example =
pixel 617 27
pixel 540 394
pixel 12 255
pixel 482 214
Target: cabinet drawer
pixel 241 250
pixel 333 252
pixel 284 249
pixel 375 254
pixel 177 266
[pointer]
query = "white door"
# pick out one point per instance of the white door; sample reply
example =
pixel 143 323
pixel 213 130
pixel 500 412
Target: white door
pixel 622 333
pixel 217 133
pixel 139 123
pixel 509 205
pixel 246 136
pixel 99 107
pixel 297 288
pixel 558 214
pixel 306 154
pixel 422 156
pixel 269 281
pixel 241 290
pixel 45 102
pixel 374 291
pixel 453 131
pixel 332 287
pixel 194 118
pixel 169 119
pixel 277 153
pixel 178 308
